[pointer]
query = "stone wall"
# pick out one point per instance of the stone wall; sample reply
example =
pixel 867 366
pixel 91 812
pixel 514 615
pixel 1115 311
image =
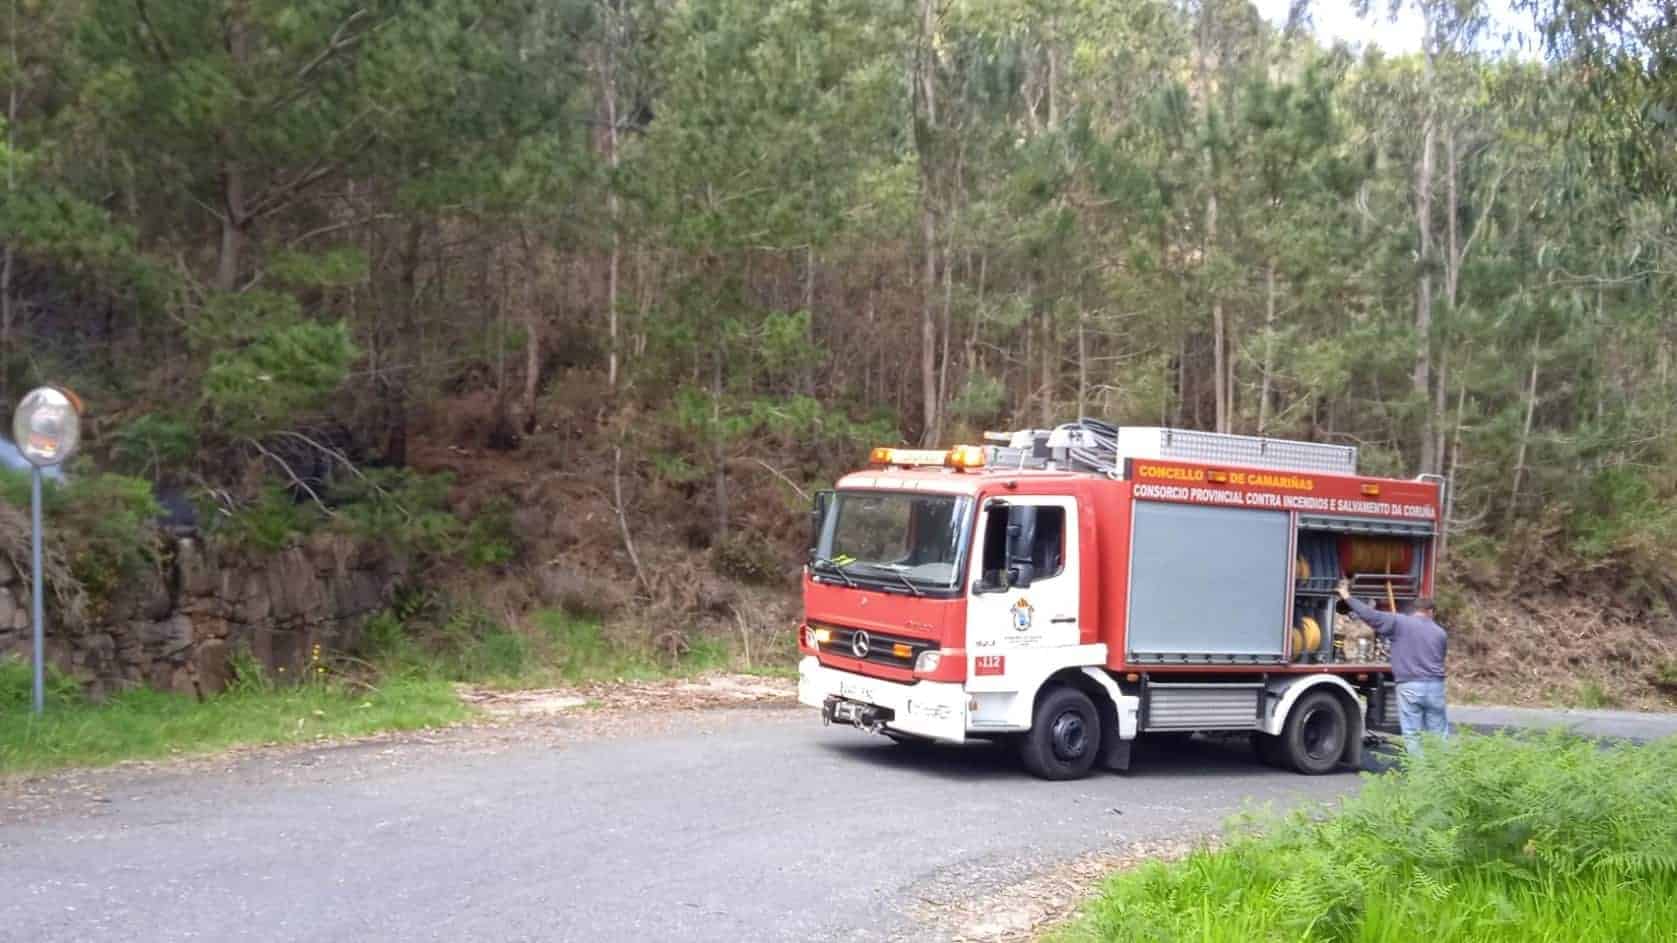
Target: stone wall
pixel 177 628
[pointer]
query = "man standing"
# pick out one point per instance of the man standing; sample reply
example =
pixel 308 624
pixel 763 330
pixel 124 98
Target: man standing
pixel 1418 649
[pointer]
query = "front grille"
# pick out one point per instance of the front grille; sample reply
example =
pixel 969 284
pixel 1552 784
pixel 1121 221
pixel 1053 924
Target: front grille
pixel 881 646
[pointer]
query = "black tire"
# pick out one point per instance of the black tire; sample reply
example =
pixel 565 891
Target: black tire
pixel 1065 736
pixel 1315 736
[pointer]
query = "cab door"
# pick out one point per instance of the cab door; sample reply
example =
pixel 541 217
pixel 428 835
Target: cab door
pixel 1023 586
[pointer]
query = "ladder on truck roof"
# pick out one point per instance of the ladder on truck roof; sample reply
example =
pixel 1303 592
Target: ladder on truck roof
pixel 1094 446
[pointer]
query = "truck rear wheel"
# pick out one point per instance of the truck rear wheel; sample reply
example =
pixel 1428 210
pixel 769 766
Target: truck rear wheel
pixel 1065 736
pixel 1315 736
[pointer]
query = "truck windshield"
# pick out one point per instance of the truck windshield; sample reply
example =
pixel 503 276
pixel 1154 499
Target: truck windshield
pixel 889 537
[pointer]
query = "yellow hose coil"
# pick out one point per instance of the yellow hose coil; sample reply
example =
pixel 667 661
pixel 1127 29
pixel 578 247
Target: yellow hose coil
pixel 1312 634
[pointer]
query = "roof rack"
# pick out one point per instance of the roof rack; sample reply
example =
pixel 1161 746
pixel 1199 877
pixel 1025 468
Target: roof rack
pixel 1091 445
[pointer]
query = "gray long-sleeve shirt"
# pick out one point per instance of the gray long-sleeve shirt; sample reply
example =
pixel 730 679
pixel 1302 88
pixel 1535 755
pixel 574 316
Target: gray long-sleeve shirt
pixel 1418 643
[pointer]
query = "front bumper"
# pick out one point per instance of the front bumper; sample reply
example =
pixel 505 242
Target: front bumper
pixel 933 709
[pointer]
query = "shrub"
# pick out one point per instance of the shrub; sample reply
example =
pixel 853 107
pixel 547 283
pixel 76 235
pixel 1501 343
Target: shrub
pixel 103 523
pixel 490 540
pixel 268 365
pixel 17 687
pixel 1621 515
pixel 1592 696
pixel 245 675
pixel 747 559
pixel 1665 676
pixel 498 654
pixel 579 593
pixel 273 522
pixel 402 507
pixel 152 442
pixel 1503 838
pixel 113 518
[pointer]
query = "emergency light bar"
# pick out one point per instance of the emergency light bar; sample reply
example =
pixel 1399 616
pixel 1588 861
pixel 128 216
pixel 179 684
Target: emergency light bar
pixel 961 456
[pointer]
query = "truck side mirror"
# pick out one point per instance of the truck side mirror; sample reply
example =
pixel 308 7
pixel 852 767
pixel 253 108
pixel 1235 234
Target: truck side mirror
pixel 817 518
pixel 1021 541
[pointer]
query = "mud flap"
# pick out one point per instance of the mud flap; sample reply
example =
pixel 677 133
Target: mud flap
pixel 1358 732
pixel 1115 753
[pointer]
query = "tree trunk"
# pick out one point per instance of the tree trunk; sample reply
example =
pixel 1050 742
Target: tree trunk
pixel 393 385
pixel 1601 347
pixel 232 234
pixel 1452 234
pixel 1452 468
pixel 809 321
pixel 977 314
pixel 1082 362
pixel 948 306
pixel 1452 280
pixel 720 453
pixel 925 84
pixel 532 366
pixel 1027 390
pixel 1181 378
pixel 532 336
pixel 233 215
pixel 1220 377
pixel 1053 83
pixel 1525 431
pixel 928 333
pixel 7 312
pixel 1048 364
pixel 1440 420
pixel 1422 380
pixel 1269 347
pixel 608 79
pixel 1219 369
pixel 6 316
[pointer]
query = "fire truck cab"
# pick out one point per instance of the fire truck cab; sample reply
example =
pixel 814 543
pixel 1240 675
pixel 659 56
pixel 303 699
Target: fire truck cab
pixel 1079 587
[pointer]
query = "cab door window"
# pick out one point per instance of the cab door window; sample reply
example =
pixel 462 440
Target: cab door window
pixel 1048 549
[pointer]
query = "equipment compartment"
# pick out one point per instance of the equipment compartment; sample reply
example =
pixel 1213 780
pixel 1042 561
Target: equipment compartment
pixel 1384 563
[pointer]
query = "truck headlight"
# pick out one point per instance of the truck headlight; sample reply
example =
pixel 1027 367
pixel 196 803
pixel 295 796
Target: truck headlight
pixel 927 662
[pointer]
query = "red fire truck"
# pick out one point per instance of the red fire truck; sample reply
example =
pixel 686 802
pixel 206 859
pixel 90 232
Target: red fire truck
pixel 1079 587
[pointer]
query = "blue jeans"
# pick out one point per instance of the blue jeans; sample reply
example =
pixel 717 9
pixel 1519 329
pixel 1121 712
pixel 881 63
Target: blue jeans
pixel 1421 710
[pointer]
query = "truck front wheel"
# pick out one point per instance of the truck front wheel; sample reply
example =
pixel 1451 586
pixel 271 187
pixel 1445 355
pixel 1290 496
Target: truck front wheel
pixel 1065 736
pixel 1315 735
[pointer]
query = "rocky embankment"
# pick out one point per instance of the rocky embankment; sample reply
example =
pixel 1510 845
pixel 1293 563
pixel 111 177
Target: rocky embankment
pixel 178 627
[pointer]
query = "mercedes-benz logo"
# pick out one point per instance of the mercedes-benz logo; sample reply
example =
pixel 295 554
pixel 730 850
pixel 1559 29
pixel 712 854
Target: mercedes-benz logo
pixel 859 644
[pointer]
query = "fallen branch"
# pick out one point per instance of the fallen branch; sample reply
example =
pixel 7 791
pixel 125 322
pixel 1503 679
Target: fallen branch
pixel 293 476
pixel 623 520
pixel 745 636
pixel 779 474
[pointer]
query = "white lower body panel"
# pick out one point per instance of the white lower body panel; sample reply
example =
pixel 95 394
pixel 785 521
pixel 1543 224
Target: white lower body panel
pixel 933 709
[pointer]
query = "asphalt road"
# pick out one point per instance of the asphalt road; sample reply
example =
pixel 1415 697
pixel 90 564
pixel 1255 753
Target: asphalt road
pixel 742 825
pixel 1617 725
pixel 723 825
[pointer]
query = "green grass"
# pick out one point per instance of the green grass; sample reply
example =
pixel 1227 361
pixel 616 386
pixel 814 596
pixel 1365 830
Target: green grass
pixel 144 724
pixel 1496 839
pixel 415 671
pixel 561 649
pixel 1592 696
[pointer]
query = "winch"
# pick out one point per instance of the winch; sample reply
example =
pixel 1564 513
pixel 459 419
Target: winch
pixel 855 713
